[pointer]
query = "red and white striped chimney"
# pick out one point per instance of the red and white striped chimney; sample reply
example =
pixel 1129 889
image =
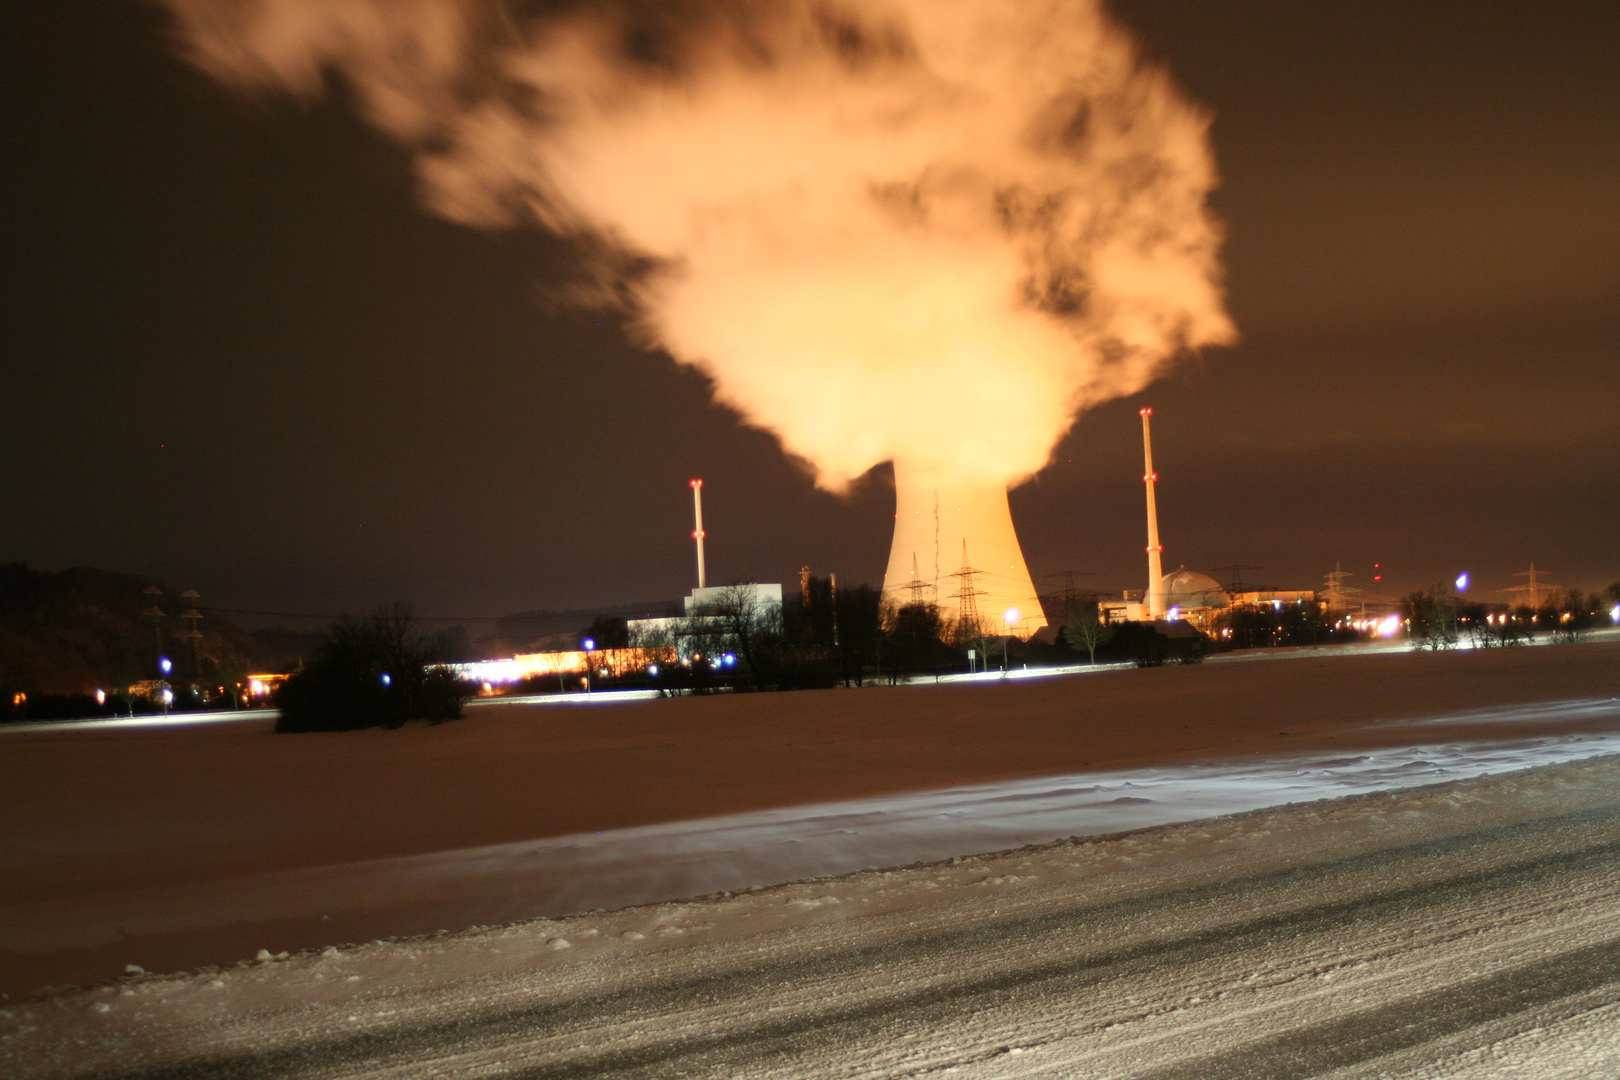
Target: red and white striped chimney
pixel 1155 589
pixel 697 532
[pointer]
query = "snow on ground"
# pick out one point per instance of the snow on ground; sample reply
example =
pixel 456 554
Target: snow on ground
pixel 1470 928
pixel 173 847
pixel 666 861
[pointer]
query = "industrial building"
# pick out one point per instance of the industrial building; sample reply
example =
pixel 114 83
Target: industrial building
pixel 706 606
pixel 1200 600
pixel 1185 595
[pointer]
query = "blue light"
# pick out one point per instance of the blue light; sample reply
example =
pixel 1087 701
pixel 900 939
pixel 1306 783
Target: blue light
pixel 387 680
pixel 165 665
pixel 730 660
pixel 1462 581
pixel 589 643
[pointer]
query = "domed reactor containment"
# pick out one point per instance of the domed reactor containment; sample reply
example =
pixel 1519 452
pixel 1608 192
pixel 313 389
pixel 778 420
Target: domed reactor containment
pixel 1186 588
pixel 954 546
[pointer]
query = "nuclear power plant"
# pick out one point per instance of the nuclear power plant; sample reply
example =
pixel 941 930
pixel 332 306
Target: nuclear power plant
pixel 954 547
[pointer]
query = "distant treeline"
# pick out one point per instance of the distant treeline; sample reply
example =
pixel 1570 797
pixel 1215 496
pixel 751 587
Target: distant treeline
pixel 851 636
pixel 1439 618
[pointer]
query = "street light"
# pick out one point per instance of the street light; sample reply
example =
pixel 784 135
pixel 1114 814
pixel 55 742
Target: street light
pixel 590 647
pixel 1010 617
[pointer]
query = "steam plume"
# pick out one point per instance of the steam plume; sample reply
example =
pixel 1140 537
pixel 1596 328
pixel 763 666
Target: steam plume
pixel 925 230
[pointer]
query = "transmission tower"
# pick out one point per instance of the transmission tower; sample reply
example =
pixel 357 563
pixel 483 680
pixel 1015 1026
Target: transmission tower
pixel 155 613
pixel 967 599
pixel 1533 589
pixel 1238 585
pixel 192 634
pixel 1070 592
pixel 916 586
pixel 1339 595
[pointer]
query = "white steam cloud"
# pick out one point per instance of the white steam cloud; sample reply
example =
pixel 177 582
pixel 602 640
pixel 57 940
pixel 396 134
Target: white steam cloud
pixel 923 230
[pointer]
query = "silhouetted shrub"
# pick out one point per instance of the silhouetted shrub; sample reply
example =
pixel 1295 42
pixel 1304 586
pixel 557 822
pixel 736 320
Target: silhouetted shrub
pixel 1155 644
pixel 379 671
pixel 1431 617
pixel 608 632
pixel 914 643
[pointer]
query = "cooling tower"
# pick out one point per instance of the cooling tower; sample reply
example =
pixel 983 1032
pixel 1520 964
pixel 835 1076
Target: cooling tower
pixel 932 520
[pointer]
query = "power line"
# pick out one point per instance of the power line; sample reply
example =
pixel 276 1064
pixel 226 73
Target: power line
pixel 351 615
pixel 1236 569
pixel 1070 592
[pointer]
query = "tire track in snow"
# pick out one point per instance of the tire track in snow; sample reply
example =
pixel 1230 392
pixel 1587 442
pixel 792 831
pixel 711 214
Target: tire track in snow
pixel 1374 1033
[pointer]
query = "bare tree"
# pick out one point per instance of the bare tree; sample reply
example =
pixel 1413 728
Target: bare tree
pixel 751 625
pixel 380 670
pixel 1493 628
pixel 1433 616
pixel 1572 617
pixel 1084 629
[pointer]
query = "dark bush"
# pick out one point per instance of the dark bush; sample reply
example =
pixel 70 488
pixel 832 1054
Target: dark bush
pixel 16 708
pixel 1155 644
pixel 608 632
pixel 379 671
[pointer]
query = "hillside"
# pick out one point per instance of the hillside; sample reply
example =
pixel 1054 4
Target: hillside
pixel 78 630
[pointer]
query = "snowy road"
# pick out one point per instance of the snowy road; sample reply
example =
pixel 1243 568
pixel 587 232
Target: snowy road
pixel 1463 930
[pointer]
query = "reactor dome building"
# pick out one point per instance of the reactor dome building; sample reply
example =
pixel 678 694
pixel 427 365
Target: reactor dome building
pixel 1186 589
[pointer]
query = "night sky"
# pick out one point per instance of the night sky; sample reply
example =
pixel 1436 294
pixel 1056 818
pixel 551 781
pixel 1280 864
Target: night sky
pixel 239 357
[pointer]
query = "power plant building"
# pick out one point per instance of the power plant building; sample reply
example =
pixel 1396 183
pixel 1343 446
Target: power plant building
pixel 1200 600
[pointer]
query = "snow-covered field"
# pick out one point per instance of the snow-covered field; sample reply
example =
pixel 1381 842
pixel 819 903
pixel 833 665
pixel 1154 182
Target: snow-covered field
pixel 1441 924
pixel 1469 929
pixel 646 864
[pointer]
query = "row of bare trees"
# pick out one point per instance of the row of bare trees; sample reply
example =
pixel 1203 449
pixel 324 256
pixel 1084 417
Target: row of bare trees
pixel 831 636
pixel 1438 618
pixel 826 637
